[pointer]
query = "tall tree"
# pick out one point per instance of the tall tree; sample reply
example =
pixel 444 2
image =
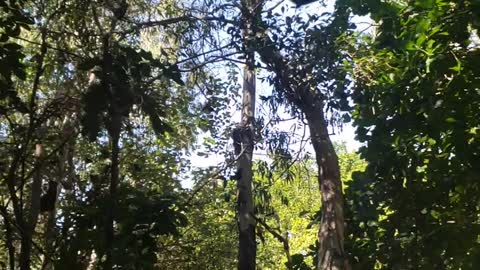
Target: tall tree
pixel 41 96
pixel 31 140
pixel 243 137
pixel 304 80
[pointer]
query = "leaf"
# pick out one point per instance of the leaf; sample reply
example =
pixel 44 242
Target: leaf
pixel 421 39
pixel 288 21
pixel 411 46
pixel 450 120
pixel 457 67
pixel 12 46
pixel 152 108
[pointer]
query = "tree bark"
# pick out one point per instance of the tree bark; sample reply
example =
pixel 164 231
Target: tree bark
pixel 114 134
pixel 331 252
pixel 34 210
pixel 65 154
pixel 244 145
pixel 246 221
pixel 27 225
pixel 47 263
pixel 114 180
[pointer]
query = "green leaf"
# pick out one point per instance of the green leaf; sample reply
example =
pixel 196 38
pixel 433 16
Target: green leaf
pixel 410 46
pixel 450 120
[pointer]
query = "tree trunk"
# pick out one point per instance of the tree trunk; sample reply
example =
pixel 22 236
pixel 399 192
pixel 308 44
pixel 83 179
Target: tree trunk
pixel 47 263
pixel 331 253
pixel 64 156
pixel 114 133
pixel 244 145
pixel 25 249
pixel 27 225
pixel 246 221
pixel 34 210
pixel 8 237
pixel 112 201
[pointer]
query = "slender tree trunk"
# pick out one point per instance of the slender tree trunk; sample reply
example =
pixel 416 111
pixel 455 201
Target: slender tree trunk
pixel 34 211
pixel 47 263
pixel 25 252
pixel 16 202
pixel 114 133
pixel 114 180
pixel 331 253
pixel 246 222
pixel 247 247
pixel 8 237
pixel 27 225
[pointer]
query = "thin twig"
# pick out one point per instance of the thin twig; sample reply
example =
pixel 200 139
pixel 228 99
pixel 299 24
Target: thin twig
pixel 49 47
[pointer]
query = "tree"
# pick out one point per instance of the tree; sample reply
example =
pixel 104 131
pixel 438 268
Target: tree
pixel 287 208
pixel 101 103
pixel 303 79
pixel 416 99
pixel 41 115
pixel 243 138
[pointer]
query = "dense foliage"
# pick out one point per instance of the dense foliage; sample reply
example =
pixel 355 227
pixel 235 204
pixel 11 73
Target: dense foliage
pixel 116 118
pixel 417 98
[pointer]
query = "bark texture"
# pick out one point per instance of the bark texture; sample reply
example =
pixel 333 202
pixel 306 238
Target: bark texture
pixel 244 145
pixel 331 252
pixel 246 221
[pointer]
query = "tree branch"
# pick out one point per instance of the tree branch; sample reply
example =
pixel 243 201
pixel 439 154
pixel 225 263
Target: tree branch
pixel 282 239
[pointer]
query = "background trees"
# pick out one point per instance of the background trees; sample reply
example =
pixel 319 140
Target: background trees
pixel 105 105
pixel 85 72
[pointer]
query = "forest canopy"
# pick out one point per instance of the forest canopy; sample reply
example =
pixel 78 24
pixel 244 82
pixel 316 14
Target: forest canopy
pixel 141 134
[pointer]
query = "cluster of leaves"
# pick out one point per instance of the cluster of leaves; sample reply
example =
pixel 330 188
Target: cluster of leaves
pixel 417 98
pixel 159 122
pixel 12 20
pixel 311 45
pixel 287 200
pixel 149 206
pixel 132 78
